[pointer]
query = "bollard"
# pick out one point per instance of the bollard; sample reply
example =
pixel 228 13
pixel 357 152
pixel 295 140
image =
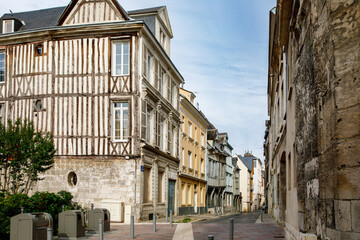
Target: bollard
pixel 171 219
pixel 101 229
pixel 154 222
pixel 166 215
pixel 132 227
pixel 92 206
pixel 49 231
pixel 231 234
pixel 210 237
pixel 22 209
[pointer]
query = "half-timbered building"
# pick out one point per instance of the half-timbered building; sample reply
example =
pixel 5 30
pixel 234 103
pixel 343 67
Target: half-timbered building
pixel 101 80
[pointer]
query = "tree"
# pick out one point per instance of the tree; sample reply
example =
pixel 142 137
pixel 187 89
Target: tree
pixel 24 154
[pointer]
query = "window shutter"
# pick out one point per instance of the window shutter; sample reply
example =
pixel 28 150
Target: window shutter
pixel 169 136
pixel 143 119
pixel 157 129
pixel 169 89
pixel 156 74
pixel 144 61
pixel 176 142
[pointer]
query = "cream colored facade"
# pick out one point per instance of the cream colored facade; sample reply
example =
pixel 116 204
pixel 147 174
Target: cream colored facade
pixel 192 183
pixel 245 187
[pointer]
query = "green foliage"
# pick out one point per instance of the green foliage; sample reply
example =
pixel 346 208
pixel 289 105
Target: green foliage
pixel 185 220
pixel 10 205
pixel 24 154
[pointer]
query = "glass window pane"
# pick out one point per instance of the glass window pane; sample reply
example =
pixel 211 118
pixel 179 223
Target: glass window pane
pixel 126 48
pixel 126 59
pixel 125 105
pixel 117 104
pixel 126 69
pixel 125 124
pixel 118 49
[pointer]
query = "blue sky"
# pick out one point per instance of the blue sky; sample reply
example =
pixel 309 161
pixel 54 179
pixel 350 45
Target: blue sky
pixel 220 48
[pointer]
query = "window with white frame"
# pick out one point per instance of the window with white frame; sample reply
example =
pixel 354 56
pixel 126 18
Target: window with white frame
pixel 120 58
pixel 174 95
pixel 189 160
pixel 2 67
pixel 121 121
pixel 149 124
pixel 8 26
pixel 202 140
pixel 174 140
pixel 163 82
pixel 149 70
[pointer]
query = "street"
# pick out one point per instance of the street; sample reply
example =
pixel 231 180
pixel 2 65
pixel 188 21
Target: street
pixel 238 218
pixel 246 226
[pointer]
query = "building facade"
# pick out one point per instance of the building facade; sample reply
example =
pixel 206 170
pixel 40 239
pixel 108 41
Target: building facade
pixel 101 80
pixel 192 171
pixel 229 190
pixel 236 186
pixel 312 139
pixel 257 184
pixel 216 172
pixel 245 183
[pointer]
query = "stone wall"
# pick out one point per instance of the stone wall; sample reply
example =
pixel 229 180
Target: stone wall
pixel 326 68
pixel 101 181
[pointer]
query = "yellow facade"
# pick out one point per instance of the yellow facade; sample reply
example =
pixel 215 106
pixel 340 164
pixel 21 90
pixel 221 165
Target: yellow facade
pixel 192 183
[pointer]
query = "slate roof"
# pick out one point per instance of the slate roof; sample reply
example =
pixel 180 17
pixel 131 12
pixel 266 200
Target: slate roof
pixel 145 10
pixel 247 161
pixel 43 18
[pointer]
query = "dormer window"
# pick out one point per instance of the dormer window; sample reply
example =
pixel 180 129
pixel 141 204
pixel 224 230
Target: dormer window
pixel 8 26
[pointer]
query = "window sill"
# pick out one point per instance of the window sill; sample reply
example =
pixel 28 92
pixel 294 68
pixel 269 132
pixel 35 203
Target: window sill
pixel 120 141
pixel 124 75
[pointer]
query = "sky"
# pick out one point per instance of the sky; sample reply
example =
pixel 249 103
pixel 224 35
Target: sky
pixel 221 50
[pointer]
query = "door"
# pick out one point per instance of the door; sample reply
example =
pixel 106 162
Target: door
pixel 195 202
pixel 171 195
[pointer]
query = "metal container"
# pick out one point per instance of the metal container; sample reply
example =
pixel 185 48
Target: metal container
pixel 71 224
pixel 30 226
pixel 94 215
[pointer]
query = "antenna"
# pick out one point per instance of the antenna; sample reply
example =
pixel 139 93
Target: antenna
pixel 10 11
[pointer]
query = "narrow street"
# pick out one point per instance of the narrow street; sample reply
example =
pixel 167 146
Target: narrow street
pixel 238 218
pixel 246 226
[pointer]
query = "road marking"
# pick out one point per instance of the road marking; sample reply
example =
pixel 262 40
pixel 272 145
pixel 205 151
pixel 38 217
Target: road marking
pixel 183 231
